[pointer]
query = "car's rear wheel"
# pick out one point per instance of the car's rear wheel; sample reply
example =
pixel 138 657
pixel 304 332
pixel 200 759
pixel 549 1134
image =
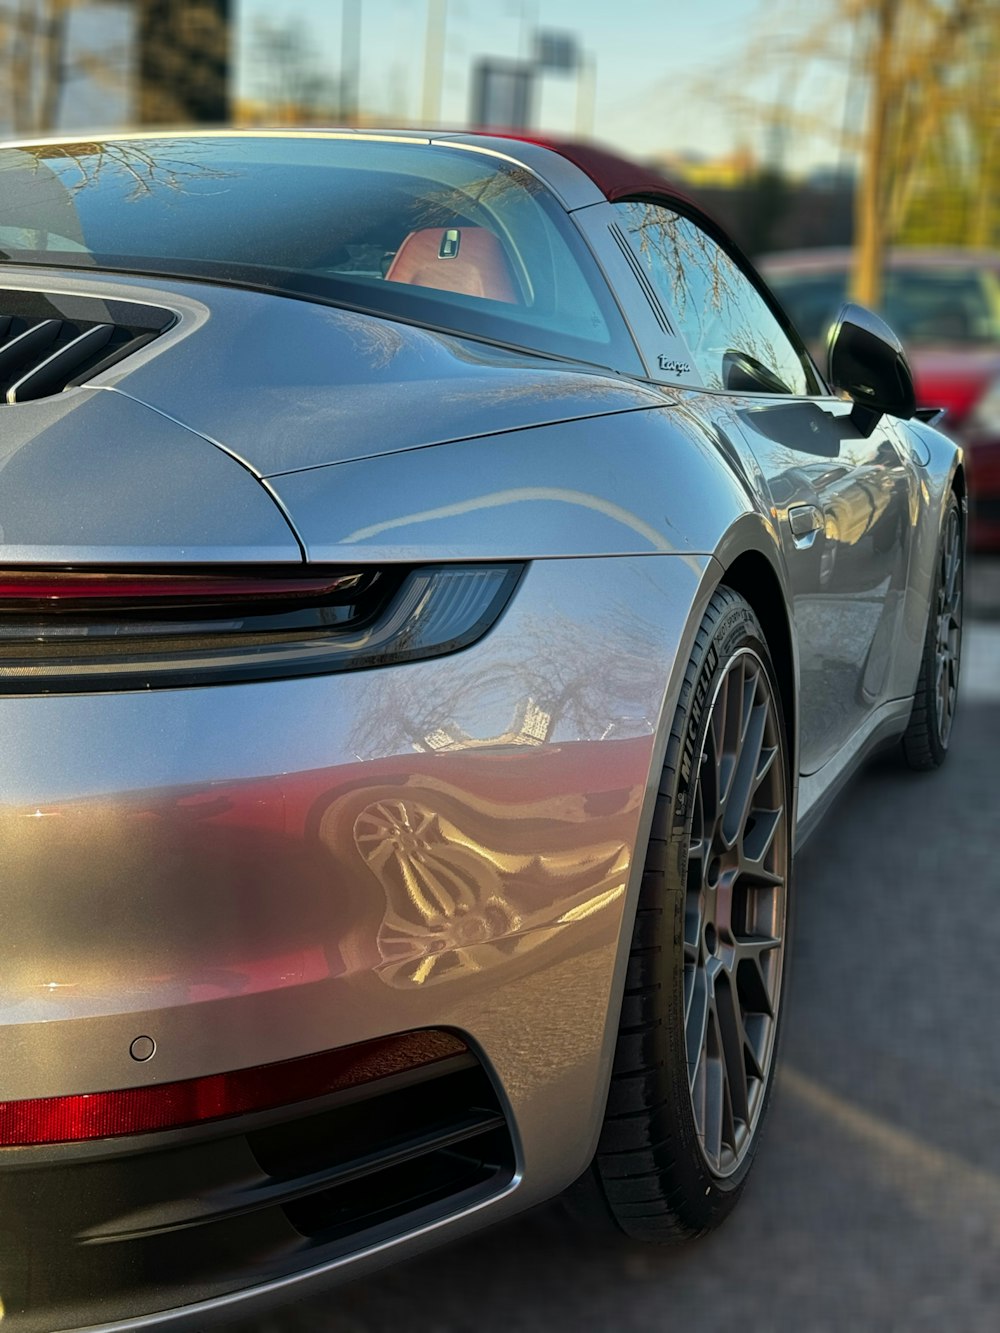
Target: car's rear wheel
pixel 926 740
pixel 696 1048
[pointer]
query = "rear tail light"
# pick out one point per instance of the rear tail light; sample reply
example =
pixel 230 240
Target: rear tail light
pixel 92 629
pixel 75 590
pixel 100 1115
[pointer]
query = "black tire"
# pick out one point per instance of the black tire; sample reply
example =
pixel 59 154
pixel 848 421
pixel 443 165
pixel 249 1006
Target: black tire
pixel 651 1175
pixel 928 734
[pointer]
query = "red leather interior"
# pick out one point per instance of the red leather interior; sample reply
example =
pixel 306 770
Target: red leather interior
pixel 479 268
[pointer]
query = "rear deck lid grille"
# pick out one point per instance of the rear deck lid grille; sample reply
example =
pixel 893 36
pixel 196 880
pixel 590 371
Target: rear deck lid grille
pixel 51 342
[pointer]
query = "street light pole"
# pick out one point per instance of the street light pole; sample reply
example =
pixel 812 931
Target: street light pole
pixel 528 27
pixel 586 95
pixel 350 59
pixel 437 17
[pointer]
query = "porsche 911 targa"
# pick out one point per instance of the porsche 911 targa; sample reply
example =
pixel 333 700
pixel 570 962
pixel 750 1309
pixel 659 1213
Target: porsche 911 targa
pixel 437 592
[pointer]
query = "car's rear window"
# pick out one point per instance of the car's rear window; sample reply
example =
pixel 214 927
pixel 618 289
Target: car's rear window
pixel 923 304
pixel 443 236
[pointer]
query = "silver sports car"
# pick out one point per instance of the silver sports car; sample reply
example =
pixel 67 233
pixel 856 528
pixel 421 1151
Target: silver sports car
pixel 438 591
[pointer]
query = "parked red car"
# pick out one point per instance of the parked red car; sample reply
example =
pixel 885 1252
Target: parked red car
pixel 945 306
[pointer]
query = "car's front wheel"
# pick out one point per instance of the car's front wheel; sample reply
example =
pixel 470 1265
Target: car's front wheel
pixel 696 1048
pixel 926 740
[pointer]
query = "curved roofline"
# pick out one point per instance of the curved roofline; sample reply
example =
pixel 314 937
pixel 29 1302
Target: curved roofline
pixel 615 176
pixel 618 178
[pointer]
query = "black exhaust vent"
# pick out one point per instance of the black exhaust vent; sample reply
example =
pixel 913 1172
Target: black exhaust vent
pixel 49 343
pixel 422 1145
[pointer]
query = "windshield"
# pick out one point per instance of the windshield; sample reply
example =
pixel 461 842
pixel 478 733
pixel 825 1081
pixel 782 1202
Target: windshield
pixel 921 304
pixel 440 236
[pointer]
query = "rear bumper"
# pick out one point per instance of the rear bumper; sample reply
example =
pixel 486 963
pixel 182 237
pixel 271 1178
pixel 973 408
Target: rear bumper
pixel 253 873
pixel 198 1216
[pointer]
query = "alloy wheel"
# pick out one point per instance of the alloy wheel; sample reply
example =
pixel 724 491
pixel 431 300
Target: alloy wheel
pixel 735 912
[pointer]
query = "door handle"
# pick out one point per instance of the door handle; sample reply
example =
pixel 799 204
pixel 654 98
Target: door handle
pixel 804 519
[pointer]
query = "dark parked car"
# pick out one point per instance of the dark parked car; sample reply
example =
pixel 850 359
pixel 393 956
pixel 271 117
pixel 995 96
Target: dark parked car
pixel 437 592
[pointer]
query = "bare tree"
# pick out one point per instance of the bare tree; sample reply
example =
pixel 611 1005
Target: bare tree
pixel 183 61
pixel 33 61
pixel 921 76
pixel 292 81
pixel 955 196
pixel 918 56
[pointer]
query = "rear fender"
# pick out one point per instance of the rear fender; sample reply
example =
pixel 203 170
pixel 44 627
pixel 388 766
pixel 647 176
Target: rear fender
pixel 634 483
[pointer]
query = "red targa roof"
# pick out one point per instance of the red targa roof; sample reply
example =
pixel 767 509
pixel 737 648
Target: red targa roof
pixel 615 176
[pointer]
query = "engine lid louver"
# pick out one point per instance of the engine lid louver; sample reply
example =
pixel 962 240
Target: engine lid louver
pixel 49 343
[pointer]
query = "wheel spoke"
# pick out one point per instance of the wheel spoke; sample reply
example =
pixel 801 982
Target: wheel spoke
pixel 751 968
pixel 696 1024
pixel 715 1097
pixel 735 724
pixel 733 1041
pixel 759 1028
pixel 758 843
pixel 744 782
pixel 767 757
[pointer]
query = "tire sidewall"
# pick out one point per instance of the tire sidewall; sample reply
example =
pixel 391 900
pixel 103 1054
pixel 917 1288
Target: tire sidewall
pixel 937 745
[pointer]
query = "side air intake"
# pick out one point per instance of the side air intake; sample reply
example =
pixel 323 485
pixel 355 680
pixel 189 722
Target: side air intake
pixel 49 343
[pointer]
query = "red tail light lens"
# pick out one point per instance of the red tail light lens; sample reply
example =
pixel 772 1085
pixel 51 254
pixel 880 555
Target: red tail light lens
pixel 101 1115
pixel 64 630
pixel 77 591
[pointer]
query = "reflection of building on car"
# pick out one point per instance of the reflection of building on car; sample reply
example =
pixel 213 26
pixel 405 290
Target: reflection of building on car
pixel 945 306
pixel 531 726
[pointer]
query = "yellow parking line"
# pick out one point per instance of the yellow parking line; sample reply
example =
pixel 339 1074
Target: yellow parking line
pixel 935 1184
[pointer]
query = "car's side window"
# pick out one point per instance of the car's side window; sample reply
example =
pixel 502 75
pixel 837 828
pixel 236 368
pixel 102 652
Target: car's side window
pixel 735 340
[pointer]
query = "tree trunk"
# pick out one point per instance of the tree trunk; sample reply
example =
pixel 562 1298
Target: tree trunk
pixel 52 71
pixel 869 252
pixel 21 51
pixel 183 67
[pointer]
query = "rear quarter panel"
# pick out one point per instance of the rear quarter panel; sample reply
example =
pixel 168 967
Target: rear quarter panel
pixel 636 483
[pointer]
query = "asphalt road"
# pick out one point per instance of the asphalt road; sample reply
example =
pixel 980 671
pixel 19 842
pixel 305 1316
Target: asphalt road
pixel 875 1203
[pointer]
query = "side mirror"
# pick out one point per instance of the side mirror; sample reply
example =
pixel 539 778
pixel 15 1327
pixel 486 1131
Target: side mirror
pixel 866 360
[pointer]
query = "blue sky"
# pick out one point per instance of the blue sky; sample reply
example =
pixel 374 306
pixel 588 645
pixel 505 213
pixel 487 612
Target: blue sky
pixel 668 73
pixel 664 69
